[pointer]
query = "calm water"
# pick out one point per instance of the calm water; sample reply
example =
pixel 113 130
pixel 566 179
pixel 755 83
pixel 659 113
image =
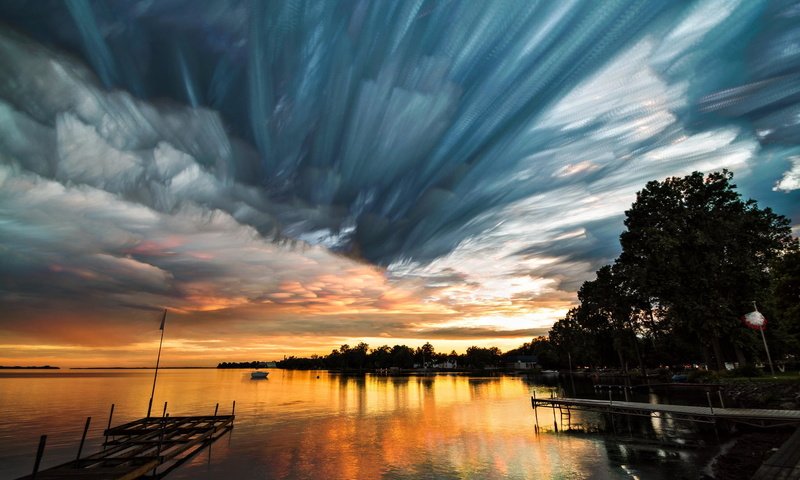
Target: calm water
pixel 315 425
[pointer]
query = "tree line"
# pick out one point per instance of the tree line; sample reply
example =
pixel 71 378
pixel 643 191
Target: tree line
pixel 695 258
pixel 363 358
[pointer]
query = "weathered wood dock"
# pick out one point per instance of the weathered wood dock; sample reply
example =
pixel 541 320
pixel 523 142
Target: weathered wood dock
pixel 150 447
pixel 709 414
pixel 783 464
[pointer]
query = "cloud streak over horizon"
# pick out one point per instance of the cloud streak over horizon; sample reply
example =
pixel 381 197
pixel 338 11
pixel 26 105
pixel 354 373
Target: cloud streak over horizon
pixel 399 173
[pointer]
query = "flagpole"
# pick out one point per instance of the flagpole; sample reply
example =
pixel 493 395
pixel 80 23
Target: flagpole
pixel 158 360
pixel 766 348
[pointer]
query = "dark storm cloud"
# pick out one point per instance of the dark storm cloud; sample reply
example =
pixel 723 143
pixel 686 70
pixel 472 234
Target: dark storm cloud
pixel 476 152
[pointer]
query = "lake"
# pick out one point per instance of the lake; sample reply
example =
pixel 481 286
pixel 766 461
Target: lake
pixel 318 425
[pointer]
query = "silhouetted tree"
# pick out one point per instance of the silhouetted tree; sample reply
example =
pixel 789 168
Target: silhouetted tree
pixel 402 356
pixel 380 357
pixel 477 357
pixel 702 254
pixel 783 308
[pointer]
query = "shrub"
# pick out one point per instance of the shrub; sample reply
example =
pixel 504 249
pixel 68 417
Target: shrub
pixel 748 371
pixel 703 376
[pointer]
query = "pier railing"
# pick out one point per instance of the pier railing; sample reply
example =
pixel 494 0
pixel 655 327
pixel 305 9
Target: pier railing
pixel 697 414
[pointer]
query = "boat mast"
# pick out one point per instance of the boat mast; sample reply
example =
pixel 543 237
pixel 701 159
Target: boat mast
pixel 158 359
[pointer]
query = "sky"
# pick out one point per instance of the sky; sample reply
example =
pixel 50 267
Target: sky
pixel 289 177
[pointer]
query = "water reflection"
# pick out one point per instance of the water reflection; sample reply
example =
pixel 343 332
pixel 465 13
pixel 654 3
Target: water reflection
pixel 298 425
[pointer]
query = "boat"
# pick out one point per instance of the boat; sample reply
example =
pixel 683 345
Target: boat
pixel 258 375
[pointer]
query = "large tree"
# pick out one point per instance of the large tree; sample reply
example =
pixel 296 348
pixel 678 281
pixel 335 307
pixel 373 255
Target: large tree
pixel 607 304
pixel 783 311
pixel 573 336
pixel 699 255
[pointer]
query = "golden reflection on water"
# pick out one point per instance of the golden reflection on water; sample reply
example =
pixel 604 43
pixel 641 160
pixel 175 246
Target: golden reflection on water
pixel 314 425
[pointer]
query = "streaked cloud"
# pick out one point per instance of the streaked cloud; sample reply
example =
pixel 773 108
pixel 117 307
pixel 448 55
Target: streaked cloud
pixel 458 193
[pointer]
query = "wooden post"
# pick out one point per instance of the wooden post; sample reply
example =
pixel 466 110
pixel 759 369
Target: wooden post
pixel 716 432
pixel 110 414
pixel 162 427
pixel 216 409
pixel 555 423
pixel 233 409
pixel 83 439
pixel 721 402
pixel 535 413
pixel 610 412
pixel 569 420
pixel 164 413
pixel 39 454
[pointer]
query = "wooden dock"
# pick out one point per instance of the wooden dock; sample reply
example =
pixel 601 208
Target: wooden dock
pixel 783 464
pixel 709 414
pixel 150 447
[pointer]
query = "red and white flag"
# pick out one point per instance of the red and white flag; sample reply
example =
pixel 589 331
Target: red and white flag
pixel 755 320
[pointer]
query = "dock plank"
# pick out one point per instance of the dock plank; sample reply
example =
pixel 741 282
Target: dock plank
pixel 143 446
pixel 783 464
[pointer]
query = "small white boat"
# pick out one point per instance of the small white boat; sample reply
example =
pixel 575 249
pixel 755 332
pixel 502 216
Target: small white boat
pixel 258 375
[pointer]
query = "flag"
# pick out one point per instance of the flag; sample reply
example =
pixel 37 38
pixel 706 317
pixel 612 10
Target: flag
pixel 755 320
pixel 163 319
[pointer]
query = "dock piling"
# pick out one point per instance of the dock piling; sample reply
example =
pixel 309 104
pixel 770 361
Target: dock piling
pixel 83 438
pixel 164 413
pixel 216 409
pixel 611 412
pixel 110 415
pixel 535 413
pixel 233 409
pixel 39 454
pixel 721 402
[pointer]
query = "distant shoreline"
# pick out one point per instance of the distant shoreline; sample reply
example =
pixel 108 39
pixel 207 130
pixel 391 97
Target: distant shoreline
pixel 18 367
pixel 136 368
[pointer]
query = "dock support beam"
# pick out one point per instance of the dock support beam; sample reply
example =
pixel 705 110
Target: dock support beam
pixel 83 438
pixel 110 415
pixel 39 454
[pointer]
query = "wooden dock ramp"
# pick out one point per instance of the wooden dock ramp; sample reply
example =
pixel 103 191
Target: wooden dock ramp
pixel 146 448
pixel 783 464
pixel 709 414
